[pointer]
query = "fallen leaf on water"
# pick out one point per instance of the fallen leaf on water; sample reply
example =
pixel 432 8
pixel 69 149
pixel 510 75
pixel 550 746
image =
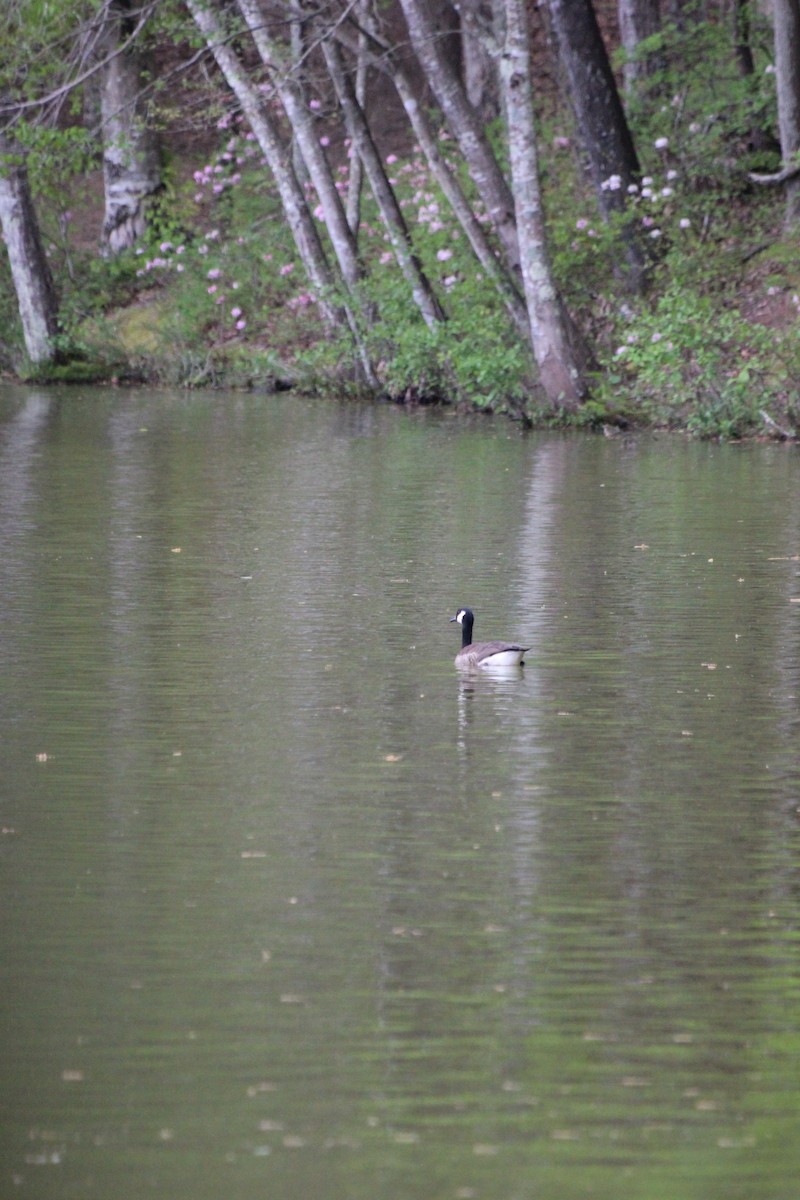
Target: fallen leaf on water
pixel 256 1088
pixel 392 757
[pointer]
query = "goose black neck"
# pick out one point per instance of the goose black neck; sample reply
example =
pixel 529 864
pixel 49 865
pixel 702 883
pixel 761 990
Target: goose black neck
pixel 466 632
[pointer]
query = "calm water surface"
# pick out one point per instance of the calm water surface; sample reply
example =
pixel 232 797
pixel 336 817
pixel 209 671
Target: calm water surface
pixel 291 909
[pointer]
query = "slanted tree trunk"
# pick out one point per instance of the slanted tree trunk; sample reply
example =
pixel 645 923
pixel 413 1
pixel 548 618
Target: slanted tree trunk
pixel 786 15
pixel 30 273
pixel 601 120
pixel 383 59
pixel 289 89
pixel 638 20
pixel 554 338
pixel 480 77
pixel 466 126
pixel 131 152
pixel 399 237
pixel 356 178
pixel 279 160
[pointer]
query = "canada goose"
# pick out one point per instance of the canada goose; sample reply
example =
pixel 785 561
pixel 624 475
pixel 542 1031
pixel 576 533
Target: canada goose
pixel 484 654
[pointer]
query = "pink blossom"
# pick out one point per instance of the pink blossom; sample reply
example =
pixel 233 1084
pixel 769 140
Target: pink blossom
pixel 214 273
pixel 236 312
pixel 287 268
pixel 443 255
pixel 314 104
pixel 212 289
pixel 391 158
pixel 241 324
pixel 324 141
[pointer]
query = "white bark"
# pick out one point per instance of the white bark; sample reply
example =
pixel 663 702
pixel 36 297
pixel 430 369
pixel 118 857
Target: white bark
pixel 552 335
pixel 480 77
pixel 295 208
pixel 33 284
pixel 131 154
pixel 291 96
pixel 786 14
pixel 466 125
pixel 299 219
pixel 356 179
pixel 381 57
pixel 394 222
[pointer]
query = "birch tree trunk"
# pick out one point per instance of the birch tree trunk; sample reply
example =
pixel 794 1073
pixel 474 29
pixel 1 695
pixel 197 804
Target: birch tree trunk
pixel 33 283
pixel 480 77
pixel 786 15
pixel 466 126
pixel 553 336
pixel 356 179
pixel 382 58
pixel 131 153
pixel 421 290
pixel 299 219
pixel 291 96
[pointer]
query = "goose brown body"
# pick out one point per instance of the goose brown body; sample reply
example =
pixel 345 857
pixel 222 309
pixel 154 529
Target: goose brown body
pixel 485 654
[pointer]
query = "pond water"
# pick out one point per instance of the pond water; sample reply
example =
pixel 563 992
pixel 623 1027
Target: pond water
pixel 291 908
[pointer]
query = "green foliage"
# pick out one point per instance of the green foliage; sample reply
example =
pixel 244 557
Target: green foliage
pixel 721 122
pixel 216 292
pixel 690 361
